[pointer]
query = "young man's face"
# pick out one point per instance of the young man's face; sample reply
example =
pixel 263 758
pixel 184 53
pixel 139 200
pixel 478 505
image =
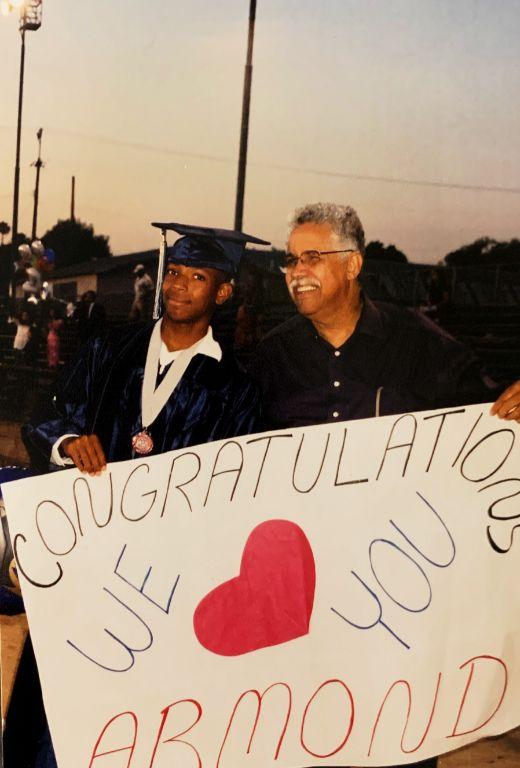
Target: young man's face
pixel 191 294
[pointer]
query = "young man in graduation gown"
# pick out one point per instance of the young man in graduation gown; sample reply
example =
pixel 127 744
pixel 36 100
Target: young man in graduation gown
pixel 139 391
pixel 163 386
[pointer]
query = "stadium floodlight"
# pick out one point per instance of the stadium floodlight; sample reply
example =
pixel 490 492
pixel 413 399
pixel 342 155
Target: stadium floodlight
pixel 30 20
pixel 30 15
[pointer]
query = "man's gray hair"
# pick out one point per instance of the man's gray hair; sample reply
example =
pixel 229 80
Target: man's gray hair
pixel 343 220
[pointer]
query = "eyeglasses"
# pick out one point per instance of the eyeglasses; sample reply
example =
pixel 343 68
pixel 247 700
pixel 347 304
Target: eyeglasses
pixel 309 258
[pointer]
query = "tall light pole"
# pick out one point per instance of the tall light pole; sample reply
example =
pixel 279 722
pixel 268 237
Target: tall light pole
pixel 38 165
pixel 16 190
pixel 30 21
pixel 244 130
pixel 73 199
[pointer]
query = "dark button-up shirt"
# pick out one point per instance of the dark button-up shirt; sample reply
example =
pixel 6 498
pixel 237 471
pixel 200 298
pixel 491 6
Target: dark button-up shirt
pixel 395 361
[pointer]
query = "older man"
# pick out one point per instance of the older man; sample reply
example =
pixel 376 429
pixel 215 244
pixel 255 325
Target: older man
pixel 346 357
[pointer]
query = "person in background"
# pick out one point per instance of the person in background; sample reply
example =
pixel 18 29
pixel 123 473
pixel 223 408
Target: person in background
pixel 23 335
pixel 249 314
pixel 54 325
pixel 143 295
pixel 70 308
pixel 91 317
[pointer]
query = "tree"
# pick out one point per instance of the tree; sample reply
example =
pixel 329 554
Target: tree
pixel 375 250
pixel 473 253
pixel 74 242
pixel 4 230
pixel 507 252
pixel 485 252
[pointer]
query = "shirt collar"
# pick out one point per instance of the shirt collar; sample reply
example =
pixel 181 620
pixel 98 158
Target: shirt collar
pixel 205 346
pixel 370 321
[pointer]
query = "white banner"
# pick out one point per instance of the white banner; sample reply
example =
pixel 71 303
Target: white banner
pixel 340 595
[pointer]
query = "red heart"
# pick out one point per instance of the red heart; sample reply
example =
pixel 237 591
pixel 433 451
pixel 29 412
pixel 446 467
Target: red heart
pixel 269 602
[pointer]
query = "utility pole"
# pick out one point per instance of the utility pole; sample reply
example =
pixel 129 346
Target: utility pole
pixel 30 20
pixel 73 199
pixel 244 131
pixel 16 192
pixel 38 165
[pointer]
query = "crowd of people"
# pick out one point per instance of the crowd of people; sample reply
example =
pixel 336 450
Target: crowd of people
pixel 38 326
pixel 34 333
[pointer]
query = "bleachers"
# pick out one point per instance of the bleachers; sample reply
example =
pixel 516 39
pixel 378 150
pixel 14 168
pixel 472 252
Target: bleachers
pixel 493 332
pixel 22 379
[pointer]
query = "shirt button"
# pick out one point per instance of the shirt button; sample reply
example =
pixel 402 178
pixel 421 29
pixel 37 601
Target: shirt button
pixel 335 414
pixel 337 353
pixel 336 383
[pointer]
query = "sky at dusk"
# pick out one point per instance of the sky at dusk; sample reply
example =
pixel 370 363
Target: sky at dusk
pixel 352 101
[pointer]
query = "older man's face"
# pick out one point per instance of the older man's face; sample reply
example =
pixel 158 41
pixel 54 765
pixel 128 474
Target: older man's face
pixel 323 289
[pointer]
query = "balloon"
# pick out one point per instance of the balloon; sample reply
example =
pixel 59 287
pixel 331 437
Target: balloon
pixel 43 265
pixel 37 248
pixel 24 251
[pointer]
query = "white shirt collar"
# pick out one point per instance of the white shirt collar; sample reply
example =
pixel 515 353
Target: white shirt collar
pixel 205 346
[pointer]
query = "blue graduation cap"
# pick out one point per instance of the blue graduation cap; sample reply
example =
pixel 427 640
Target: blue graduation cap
pixel 208 247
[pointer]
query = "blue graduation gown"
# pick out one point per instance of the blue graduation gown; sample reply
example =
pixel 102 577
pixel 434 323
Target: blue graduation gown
pixel 100 393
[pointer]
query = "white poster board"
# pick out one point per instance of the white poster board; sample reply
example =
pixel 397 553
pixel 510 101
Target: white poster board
pixel 337 595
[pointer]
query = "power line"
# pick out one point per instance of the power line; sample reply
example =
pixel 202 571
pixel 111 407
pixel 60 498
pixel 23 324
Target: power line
pixel 394 180
pixel 139 146
pixel 281 167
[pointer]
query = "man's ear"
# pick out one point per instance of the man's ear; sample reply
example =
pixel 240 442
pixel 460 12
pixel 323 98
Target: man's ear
pixel 354 264
pixel 224 292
